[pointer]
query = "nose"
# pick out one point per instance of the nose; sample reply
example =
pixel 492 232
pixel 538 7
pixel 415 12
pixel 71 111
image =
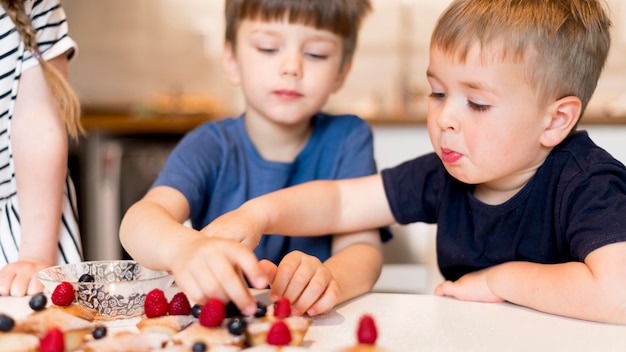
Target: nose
pixel 444 115
pixel 292 65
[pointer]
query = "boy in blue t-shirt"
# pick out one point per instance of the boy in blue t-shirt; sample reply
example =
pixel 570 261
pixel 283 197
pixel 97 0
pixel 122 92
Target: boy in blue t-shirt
pixel 288 57
pixel 528 210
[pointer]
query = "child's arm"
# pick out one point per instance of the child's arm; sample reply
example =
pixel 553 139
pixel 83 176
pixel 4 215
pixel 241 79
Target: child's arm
pixel 39 144
pixel 314 287
pixel 593 290
pixel 153 233
pixel 310 209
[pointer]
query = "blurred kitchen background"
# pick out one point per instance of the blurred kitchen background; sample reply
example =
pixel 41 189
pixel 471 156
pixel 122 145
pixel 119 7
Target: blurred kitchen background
pixel 149 70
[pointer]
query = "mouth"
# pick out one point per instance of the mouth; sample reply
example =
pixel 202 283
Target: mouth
pixel 449 156
pixel 287 94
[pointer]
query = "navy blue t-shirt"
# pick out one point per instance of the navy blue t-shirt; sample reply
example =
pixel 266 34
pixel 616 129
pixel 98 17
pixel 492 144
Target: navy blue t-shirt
pixel 217 168
pixel 574 204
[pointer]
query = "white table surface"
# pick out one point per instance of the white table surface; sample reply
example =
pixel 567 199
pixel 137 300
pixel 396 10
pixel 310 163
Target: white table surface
pixel 408 322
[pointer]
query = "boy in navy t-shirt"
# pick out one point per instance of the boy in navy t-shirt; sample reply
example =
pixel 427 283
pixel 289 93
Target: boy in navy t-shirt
pixel 528 210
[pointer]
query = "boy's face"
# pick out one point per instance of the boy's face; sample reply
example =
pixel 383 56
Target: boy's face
pixel 485 122
pixel 287 71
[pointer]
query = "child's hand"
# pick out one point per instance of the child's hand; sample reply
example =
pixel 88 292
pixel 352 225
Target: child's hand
pixel 233 226
pixel 305 281
pixel 208 267
pixel 470 287
pixel 18 278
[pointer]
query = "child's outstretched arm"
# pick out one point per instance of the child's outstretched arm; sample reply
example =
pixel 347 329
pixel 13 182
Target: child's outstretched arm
pixel 310 209
pixel 153 233
pixel 593 290
pixel 314 287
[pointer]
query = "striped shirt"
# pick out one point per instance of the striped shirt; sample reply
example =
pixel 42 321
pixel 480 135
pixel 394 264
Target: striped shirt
pixel 50 25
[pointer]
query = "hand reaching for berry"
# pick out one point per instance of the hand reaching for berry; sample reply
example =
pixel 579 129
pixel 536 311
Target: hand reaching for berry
pixel 209 268
pixel 305 281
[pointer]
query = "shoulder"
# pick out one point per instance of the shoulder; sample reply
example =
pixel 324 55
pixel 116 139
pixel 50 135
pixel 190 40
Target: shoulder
pixel 578 154
pixel 341 124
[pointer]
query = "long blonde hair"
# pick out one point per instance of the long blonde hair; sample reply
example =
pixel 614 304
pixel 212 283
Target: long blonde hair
pixel 67 101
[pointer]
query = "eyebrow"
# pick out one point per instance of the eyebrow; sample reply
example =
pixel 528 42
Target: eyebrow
pixel 470 84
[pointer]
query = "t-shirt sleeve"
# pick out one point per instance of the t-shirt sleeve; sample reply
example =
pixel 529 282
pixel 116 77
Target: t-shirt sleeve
pixel 50 23
pixel 414 189
pixel 357 152
pixel 593 209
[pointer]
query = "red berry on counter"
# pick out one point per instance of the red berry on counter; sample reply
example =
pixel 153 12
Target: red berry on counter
pixel 155 304
pixel 179 305
pixel 282 308
pixel 213 313
pixel 63 294
pixel 367 333
pixel 279 334
pixel 52 341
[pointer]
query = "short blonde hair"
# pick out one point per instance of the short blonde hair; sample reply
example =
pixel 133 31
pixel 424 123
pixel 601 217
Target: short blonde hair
pixel 565 43
pixel 341 17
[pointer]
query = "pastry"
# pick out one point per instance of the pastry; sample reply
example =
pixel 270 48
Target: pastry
pixel 258 327
pixel 38 323
pixel 126 341
pixel 18 342
pixel 209 335
pixel 167 324
pixel 366 335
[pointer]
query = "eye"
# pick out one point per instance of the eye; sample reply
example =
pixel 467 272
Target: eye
pixel 437 96
pixel 317 56
pixel 477 107
pixel 266 50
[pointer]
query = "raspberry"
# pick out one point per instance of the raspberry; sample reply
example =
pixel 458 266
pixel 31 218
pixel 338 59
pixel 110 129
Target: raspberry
pixel 282 308
pixel 213 313
pixel 155 304
pixel 52 341
pixel 63 294
pixel 179 305
pixel 367 333
pixel 279 334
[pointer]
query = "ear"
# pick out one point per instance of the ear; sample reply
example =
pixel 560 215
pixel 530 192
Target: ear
pixel 341 77
pixel 562 116
pixel 230 64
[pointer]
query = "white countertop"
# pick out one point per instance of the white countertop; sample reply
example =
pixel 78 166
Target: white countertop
pixel 408 322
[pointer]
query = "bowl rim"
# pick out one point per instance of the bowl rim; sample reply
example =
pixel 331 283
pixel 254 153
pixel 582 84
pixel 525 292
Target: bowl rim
pixel 39 274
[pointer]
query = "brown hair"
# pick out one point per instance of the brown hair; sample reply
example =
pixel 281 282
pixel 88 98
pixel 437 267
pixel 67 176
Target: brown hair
pixel 341 17
pixel 565 42
pixel 68 104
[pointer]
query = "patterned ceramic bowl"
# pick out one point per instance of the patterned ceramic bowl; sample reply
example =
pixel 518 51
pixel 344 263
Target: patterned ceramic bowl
pixel 118 290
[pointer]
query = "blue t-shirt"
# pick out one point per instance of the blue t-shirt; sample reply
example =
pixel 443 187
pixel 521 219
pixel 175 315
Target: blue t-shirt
pixel 574 204
pixel 217 168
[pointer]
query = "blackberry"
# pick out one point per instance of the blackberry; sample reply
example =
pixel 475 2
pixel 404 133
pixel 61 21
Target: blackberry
pixel 232 310
pixel 237 326
pixel 99 332
pixel 195 310
pixel 6 323
pixel 38 302
pixel 86 278
pixel 198 347
pixel 261 310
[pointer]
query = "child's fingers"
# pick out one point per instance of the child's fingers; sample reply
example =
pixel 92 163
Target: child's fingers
pixel 326 302
pixel 316 288
pixel 269 268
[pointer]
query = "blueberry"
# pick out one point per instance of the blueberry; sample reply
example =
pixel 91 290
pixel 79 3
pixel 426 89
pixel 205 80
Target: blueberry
pixel 232 310
pixel 99 332
pixel 198 347
pixel 261 310
pixel 237 326
pixel 195 310
pixel 86 278
pixel 6 323
pixel 38 302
